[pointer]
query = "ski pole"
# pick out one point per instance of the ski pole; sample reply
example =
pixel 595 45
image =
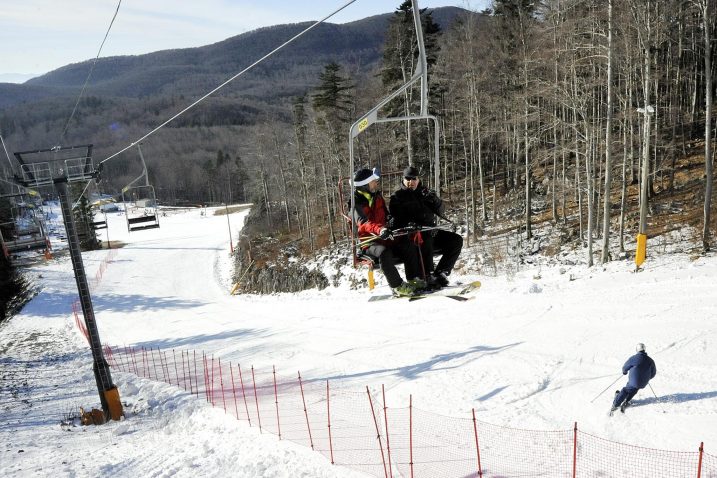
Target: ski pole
pixel 396 233
pixel 653 392
pixel 613 383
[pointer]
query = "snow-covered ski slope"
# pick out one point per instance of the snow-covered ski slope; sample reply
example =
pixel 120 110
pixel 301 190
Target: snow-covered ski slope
pixel 531 351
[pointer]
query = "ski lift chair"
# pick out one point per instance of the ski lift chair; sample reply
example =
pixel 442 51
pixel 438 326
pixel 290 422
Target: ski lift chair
pixel 358 253
pixel 143 212
pixel 27 232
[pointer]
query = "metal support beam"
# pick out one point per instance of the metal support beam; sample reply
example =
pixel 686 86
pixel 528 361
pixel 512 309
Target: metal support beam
pixel 100 366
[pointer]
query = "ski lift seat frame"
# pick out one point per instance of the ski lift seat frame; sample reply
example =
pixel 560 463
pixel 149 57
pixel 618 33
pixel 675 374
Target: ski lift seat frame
pixel 138 223
pixel 420 76
pixel 132 222
pixel 27 237
pixel 97 225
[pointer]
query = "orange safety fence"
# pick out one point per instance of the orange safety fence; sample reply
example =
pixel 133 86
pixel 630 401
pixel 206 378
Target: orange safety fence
pixel 357 429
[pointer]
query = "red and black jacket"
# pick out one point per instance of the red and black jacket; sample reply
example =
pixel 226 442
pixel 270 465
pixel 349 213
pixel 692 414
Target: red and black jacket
pixel 370 213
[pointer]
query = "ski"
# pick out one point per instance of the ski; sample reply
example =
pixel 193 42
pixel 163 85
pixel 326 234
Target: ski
pixel 458 298
pixel 613 408
pixel 458 292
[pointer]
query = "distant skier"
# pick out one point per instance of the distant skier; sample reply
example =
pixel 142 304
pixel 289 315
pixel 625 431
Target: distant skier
pixel 642 369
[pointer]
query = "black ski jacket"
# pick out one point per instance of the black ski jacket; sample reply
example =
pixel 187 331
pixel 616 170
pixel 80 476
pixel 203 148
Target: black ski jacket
pixel 420 206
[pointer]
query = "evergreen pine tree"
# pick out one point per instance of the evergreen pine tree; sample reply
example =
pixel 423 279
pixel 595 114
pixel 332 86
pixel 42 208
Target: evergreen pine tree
pixel 84 217
pixel 333 100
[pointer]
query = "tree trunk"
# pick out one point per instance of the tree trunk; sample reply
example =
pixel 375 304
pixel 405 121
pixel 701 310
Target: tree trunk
pixel 608 144
pixel 706 17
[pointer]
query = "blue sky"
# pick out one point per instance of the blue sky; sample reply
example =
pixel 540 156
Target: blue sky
pixel 37 36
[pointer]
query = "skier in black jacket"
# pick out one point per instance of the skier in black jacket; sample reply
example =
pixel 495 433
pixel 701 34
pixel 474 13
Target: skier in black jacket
pixel 642 369
pixel 416 205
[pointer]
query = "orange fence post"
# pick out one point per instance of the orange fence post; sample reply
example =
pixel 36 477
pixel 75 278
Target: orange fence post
pixel 306 413
pixel 196 385
pixel 234 391
pixel 276 401
pixel 221 384
pixel 154 363
pixel 699 463
pixel 575 449
pixel 256 398
pixel 243 394
pixel 328 413
pixel 475 433
pixel 410 432
pixel 212 381
pixel 184 371
pixel 163 366
pixel 176 371
pixel 378 433
pixel 385 421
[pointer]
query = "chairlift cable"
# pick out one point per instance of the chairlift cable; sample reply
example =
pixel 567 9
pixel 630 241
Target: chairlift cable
pixel 92 68
pixel 6 153
pixel 287 42
pixel 74 206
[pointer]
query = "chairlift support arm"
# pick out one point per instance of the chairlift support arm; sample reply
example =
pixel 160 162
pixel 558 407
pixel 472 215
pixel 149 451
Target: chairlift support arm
pixel 371 117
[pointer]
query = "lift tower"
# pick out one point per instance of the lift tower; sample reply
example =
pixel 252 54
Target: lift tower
pixel 59 166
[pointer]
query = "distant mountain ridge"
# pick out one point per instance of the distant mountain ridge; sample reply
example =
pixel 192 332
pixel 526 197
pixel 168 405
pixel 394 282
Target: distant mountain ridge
pixel 357 45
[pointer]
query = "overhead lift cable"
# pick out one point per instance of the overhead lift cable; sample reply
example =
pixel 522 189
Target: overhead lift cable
pixel 67 125
pixel 287 42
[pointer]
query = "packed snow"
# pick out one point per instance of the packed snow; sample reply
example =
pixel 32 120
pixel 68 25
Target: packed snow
pixel 533 349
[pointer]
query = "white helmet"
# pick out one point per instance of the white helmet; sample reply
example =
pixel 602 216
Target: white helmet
pixel 640 347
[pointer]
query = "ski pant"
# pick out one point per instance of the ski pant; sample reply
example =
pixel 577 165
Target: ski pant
pixel 406 250
pixel 625 395
pixel 450 245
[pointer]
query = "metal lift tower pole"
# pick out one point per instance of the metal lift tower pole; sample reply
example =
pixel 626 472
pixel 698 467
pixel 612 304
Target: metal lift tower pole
pixel 59 166
pixel 100 366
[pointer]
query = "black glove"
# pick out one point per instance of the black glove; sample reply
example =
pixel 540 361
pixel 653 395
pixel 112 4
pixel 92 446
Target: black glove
pixel 454 227
pixel 385 233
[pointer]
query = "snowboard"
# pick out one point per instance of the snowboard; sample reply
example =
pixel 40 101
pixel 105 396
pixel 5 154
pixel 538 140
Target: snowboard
pixel 457 292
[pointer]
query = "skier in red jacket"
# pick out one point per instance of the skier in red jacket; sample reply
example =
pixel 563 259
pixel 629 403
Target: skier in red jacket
pixel 371 219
